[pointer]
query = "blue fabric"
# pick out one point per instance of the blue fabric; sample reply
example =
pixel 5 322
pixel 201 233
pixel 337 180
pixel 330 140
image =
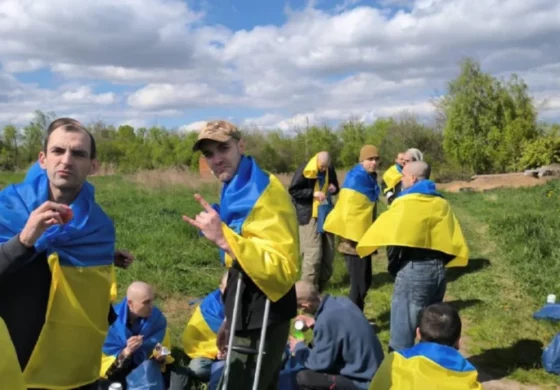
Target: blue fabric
pixel 240 195
pixel 147 376
pixel 340 326
pixel 444 356
pixel 548 312
pixel 418 284
pixel 152 328
pixel 551 356
pixel 87 240
pixel 424 187
pixel 399 168
pixel 359 180
pixel 212 309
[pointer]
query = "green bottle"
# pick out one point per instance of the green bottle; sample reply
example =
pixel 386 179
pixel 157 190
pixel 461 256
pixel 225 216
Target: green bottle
pixel 298 326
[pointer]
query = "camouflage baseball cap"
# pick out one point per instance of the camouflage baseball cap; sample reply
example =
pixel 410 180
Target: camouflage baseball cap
pixel 220 131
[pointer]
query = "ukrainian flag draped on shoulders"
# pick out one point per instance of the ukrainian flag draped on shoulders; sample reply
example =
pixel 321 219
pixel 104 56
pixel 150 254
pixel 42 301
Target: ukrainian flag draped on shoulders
pixel 200 335
pixel 154 329
pixel 353 213
pixel 80 255
pixel 311 171
pixel 426 366
pixel 36 170
pixel 420 218
pixel 259 223
pixel 10 371
pixel 392 177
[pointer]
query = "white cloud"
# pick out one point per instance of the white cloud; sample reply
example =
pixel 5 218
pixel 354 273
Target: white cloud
pixel 356 62
pixel 194 126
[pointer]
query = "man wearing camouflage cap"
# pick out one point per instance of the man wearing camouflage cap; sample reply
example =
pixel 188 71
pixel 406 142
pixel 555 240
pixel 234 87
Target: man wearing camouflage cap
pixel 255 228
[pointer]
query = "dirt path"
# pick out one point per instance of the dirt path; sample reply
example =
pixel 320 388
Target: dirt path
pixel 488 182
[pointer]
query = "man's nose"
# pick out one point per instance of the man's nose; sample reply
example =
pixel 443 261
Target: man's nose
pixel 67 157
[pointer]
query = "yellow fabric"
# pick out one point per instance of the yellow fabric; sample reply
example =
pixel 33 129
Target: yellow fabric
pixel 10 371
pixel 114 289
pixel 419 221
pixel 107 360
pixel 418 373
pixel 311 171
pixel 75 328
pixel 268 248
pixel 391 177
pixel 352 215
pixel 198 339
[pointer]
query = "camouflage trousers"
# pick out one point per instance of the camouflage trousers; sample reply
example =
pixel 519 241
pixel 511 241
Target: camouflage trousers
pixel 317 250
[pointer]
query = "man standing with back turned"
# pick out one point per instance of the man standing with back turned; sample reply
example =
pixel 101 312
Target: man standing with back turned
pixel 255 228
pixel 422 236
pixel 314 183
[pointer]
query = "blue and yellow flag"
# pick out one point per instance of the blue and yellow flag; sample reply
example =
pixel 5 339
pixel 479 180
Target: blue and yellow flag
pixel 426 366
pixel 419 217
pixel 153 328
pixel 10 371
pixel 260 225
pixel 36 170
pixel 392 177
pixel 200 335
pixel 353 212
pixel 80 255
pixel 311 171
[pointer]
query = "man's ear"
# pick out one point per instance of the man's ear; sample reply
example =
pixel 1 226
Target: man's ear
pixel 418 335
pixel 458 344
pixel 94 166
pixel 241 144
pixel 42 157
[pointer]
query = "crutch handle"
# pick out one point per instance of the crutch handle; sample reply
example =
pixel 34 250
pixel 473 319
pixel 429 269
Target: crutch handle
pixel 245 350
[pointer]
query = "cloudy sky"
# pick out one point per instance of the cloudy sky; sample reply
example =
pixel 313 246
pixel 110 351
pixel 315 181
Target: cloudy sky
pixel 268 63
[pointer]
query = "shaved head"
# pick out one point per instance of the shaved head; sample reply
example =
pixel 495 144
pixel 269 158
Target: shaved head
pixel 308 296
pixel 140 297
pixel 323 160
pixel 420 169
pixel 413 172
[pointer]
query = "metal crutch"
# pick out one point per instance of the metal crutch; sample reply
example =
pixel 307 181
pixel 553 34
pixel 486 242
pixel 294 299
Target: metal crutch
pixel 243 349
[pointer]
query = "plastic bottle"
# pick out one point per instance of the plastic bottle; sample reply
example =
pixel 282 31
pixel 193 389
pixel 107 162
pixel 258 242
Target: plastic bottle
pixel 298 326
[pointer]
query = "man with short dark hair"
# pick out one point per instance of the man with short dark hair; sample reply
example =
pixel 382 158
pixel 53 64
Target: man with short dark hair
pixel 312 186
pixel 57 247
pixel 435 362
pixel 255 228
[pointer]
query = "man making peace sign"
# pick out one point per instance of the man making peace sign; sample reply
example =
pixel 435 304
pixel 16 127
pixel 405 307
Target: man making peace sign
pixel 255 227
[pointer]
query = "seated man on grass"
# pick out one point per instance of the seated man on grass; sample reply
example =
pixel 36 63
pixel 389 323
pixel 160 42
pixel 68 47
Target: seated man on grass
pixel 433 363
pixel 346 352
pixel 200 340
pixel 138 334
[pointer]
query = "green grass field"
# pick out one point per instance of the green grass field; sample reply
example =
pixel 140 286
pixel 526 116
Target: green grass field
pixel 514 237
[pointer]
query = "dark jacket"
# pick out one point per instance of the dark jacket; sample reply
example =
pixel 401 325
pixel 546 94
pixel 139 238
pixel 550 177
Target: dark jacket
pixel 25 280
pixel 301 189
pixel 344 343
pixel 399 256
pixel 251 311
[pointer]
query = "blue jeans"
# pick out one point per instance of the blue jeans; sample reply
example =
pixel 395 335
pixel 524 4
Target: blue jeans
pixel 418 284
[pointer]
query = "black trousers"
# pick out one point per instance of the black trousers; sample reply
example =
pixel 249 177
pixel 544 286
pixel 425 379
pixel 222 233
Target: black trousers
pixel 312 380
pixel 359 269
